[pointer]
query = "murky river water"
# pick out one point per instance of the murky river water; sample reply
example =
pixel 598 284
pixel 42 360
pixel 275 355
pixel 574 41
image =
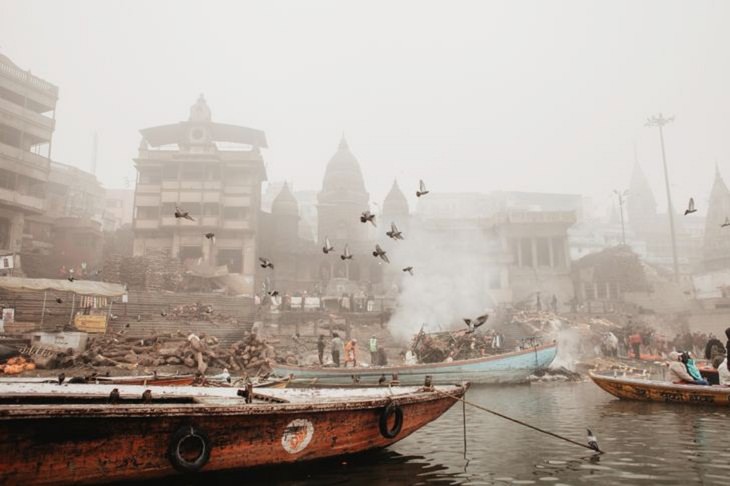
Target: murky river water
pixel 645 443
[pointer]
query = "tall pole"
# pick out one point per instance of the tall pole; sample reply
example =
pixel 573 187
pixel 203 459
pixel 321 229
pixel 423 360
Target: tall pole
pixel 621 209
pixel 659 121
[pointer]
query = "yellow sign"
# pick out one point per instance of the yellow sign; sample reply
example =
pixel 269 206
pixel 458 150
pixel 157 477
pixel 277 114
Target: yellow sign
pixel 90 323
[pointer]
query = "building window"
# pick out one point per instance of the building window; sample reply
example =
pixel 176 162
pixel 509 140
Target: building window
pixel 602 288
pixel 543 252
pixel 212 172
pixel 211 209
pixel 236 213
pixel 150 175
pixel 192 172
pixel 558 251
pixel 7 179
pixel 526 251
pixel 231 258
pixel 148 212
pixel 169 172
pixel 589 291
pixel 235 176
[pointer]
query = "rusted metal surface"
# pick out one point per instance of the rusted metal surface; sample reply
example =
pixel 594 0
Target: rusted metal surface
pixel 105 443
pixel 657 391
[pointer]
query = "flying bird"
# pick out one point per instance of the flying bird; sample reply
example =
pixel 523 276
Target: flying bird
pixel 379 252
pixel 273 293
pixel 409 270
pixel 327 246
pixel 61 377
pixel 266 263
pixel 59 300
pixel 71 279
pixel 394 232
pixel 179 213
pixel 421 189
pixel 114 396
pixel 726 223
pixel 367 216
pixel 473 324
pixel 592 442
pixel 691 208
pixel 210 236
pixel 346 255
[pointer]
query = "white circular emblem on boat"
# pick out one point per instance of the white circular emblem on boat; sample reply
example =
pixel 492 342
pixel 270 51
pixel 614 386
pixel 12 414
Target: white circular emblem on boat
pixel 297 435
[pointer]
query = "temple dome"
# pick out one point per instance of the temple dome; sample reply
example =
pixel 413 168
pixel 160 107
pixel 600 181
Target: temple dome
pixel 343 178
pixel 285 202
pixel 395 202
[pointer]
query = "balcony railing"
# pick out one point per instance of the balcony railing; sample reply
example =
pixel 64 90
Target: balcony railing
pixel 26 77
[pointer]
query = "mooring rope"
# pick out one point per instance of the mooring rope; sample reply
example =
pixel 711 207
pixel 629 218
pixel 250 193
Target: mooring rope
pixel 538 429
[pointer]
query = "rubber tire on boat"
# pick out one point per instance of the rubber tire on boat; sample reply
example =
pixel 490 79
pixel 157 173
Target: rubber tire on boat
pixel 390 409
pixel 177 460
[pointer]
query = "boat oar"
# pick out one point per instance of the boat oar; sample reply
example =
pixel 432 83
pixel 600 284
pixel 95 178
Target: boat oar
pixel 592 445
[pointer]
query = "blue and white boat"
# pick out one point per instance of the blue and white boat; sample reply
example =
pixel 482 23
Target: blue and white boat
pixel 512 367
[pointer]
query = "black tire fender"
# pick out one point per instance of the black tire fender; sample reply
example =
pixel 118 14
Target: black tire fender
pixel 188 432
pixel 391 409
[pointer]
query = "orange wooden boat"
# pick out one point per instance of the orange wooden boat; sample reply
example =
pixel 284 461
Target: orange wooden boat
pixel 63 434
pixel 661 391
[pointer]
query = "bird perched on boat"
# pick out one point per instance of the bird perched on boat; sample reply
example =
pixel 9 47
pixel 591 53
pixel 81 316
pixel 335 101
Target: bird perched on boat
pixel 367 216
pixel 77 379
pixel 473 324
pixel 210 236
pixel 355 378
pixel 726 223
pixel 179 213
pixel 273 293
pixel 61 377
pixel 71 278
pixel 346 255
pixel 381 380
pixel 163 313
pixel 421 189
pixel 114 396
pixel 59 300
pixel 691 207
pixel 394 232
pixel 266 263
pixel 592 442
pixel 327 246
pixel 409 270
pixel 147 396
pixel 379 252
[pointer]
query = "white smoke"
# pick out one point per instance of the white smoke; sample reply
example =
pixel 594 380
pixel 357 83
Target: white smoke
pixel 452 274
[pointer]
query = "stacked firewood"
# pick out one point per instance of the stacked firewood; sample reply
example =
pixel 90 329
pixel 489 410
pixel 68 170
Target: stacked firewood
pixel 438 347
pixel 173 349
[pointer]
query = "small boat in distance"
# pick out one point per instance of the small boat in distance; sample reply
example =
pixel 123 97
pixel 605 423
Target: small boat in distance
pixel 660 391
pixel 86 434
pixel 512 367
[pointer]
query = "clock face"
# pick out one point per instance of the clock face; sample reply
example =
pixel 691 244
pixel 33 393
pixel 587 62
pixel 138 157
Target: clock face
pixel 197 134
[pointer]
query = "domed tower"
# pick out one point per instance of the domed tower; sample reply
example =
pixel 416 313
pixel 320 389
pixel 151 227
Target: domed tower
pixel 641 205
pixel 285 213
pixel 395 206
pixel 342 199
pixel 716 246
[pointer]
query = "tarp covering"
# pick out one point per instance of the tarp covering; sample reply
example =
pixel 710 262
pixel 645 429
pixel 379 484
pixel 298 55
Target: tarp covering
pixel 82 287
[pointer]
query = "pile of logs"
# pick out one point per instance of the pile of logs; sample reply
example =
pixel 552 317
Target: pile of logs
pixel 173 349
pixel 438 347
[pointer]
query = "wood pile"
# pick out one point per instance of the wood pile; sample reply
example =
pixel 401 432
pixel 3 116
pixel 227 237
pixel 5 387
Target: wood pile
pixel 172 349
pixel 437 347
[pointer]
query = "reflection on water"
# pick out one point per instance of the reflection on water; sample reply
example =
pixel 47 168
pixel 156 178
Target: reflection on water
pixel 645 443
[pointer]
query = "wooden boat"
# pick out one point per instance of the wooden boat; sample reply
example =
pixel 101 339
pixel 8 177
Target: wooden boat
pixel 512 367
pixel 159 380
pixel 661 391
pixel 63 434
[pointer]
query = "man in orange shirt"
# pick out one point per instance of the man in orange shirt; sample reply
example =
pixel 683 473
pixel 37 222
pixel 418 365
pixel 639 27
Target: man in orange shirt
pixel 351 352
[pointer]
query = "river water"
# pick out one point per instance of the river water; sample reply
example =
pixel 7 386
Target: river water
pixel 644 443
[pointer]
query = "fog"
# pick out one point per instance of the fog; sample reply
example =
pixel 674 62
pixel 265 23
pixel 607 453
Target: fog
pixel 539 96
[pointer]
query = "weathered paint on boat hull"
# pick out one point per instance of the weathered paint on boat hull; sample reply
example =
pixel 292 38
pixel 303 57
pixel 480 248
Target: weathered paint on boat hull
pixel 512 367
pixel 105 443
pixel 657 391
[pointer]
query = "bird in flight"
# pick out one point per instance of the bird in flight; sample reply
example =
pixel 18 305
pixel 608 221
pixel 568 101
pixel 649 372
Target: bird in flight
pixel 266 263
pixel 179 213
pixel 210 236
pixel 422 191
pixel 379 252
pixel 473 324
pixel 592 442
pixel 367 216
pixel 409 270
pixel 726 223
pixel 327 246
pixel 273 293
pixel 691 208
pixel 346 255
pixel 394 232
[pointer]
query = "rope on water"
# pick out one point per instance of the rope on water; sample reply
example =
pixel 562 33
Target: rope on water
pixel 538 429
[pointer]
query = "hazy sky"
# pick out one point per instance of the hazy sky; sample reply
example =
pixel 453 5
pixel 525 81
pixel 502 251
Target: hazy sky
pixel 471 96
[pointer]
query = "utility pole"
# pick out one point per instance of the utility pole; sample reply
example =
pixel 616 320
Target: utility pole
pixel 659 121
pixel 621 195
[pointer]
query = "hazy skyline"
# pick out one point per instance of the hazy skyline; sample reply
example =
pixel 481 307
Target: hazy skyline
pixel 470 96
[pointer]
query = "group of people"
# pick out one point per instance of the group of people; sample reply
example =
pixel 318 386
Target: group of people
pixel 348 351
pixel 683 370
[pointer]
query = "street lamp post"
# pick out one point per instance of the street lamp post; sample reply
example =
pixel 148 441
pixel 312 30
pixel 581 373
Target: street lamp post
pixel 621 195
pixel 659 121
